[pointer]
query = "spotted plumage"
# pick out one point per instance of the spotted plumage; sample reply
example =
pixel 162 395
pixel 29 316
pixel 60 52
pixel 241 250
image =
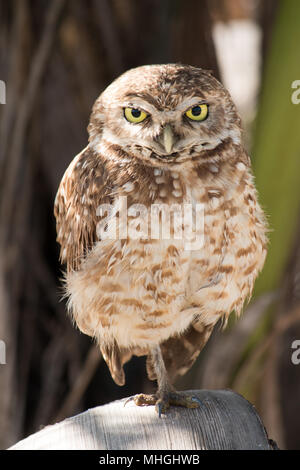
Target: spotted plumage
pixel 151 295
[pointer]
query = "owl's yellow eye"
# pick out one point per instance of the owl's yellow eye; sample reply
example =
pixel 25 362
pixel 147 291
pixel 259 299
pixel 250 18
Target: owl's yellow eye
pixel 198 112
pixel 134 115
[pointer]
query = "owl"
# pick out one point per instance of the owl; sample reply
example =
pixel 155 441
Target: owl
pixel 159 224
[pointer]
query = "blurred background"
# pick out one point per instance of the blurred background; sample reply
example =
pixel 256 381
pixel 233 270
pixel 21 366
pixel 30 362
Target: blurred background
pixel 55 58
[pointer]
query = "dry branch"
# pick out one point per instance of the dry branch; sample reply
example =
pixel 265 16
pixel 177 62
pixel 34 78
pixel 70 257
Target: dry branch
pixel 26 107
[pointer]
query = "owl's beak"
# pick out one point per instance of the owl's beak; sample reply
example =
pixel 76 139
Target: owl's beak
pixel 168 138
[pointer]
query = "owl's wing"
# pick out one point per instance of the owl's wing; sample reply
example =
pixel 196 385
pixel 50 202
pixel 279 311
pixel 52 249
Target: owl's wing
pixel 81 191
pixel 180 352
pixel 84 186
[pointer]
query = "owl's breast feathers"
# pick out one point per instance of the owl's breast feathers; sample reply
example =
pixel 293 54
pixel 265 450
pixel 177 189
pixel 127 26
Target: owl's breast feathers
pixel 131 294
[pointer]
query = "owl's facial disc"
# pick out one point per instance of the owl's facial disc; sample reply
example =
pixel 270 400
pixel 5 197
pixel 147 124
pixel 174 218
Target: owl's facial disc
pixel 164 114
pixel 168 134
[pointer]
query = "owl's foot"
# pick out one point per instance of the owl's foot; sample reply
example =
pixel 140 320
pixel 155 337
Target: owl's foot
pixel 176 399
pixel 166 395
pixel 164 400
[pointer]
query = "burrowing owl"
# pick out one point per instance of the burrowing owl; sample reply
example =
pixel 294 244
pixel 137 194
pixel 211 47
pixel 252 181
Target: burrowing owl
pixel 160 137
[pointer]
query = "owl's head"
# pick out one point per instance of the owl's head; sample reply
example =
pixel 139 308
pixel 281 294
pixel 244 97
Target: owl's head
pixel 164 115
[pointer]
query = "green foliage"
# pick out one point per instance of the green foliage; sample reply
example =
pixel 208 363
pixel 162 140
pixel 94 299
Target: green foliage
pixel 277 144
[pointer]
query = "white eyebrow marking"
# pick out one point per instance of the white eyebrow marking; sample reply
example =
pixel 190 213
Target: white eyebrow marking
pixel 189 102
pixel 139 103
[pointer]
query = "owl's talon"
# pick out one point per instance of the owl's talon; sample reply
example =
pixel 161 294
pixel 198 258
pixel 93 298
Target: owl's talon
pixel 196 400
pixel 159 409
pixel 128 400
pixel 161 406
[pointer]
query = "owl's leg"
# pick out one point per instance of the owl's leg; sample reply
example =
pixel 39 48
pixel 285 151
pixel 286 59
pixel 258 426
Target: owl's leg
pixel 166 395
